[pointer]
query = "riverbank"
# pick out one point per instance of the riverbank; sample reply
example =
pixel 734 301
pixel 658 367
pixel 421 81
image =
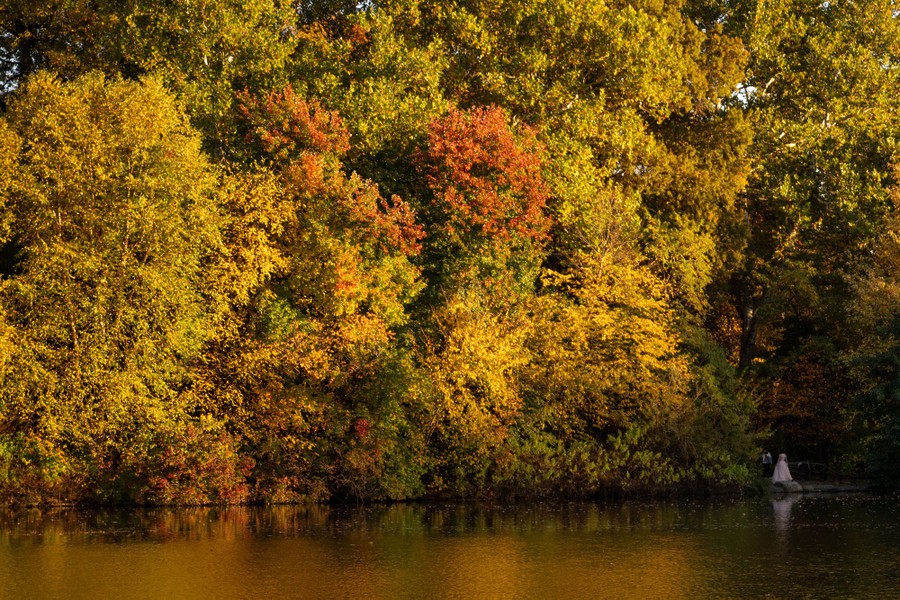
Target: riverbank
pixel 819 487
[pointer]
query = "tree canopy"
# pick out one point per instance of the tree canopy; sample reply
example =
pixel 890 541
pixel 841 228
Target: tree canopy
pixel 266 251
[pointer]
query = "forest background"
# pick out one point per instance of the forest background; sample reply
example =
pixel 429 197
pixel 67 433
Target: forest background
pixel 276 251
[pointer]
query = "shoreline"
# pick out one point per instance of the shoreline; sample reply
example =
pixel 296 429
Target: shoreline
pixel 819 487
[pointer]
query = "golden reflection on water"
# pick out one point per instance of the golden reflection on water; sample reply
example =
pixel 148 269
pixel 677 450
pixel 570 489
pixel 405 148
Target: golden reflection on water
pixel 628 550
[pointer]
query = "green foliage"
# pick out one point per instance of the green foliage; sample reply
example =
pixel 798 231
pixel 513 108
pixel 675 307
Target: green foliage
pixel 386 85
pixel 822 96
pixel 204 50
pixel 876 417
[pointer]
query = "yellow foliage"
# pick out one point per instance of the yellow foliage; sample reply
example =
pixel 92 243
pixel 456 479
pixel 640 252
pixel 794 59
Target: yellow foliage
pixel 476 366
pixel 604 348
pixel 114 214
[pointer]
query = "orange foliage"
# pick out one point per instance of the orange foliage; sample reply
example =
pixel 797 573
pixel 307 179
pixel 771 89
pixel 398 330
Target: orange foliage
pixel 284 125
pixel 485 181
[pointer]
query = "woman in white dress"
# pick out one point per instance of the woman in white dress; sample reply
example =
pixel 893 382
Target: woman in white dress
pixel 782 472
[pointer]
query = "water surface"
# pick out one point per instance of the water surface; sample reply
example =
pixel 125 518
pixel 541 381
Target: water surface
pixel 795 546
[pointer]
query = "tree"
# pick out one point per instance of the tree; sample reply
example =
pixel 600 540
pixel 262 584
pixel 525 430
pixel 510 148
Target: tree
pixel 114 220
pixel 484 214
pixel 203 50
pixel 822 99
pixel 473 246
pixel 872 411
pixel 485 211
pixel 385 84
pixel 821 93
pixel 303 372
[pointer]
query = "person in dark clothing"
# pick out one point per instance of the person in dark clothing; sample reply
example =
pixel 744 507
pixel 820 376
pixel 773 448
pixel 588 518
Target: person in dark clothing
pixel 767 463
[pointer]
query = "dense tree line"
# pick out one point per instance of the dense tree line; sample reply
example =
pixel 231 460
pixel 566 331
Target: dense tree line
pixel 269 251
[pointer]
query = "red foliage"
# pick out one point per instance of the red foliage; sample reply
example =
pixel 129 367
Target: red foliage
pixel 196 465
pixel 484 180
pixel 306 174
pixel 397 221
pixel 307 141
pixel 361 428
pixel 284 125
pixel 391 222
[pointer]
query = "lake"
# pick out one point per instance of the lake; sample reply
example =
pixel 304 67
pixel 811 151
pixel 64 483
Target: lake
pixel 810 546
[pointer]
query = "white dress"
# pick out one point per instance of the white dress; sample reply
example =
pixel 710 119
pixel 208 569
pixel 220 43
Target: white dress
pixel 782 472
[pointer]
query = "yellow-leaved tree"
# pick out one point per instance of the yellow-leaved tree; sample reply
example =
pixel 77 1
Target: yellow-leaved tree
pixel 115 227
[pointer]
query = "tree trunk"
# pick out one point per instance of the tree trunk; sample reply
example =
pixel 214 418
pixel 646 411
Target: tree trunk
pixel 749 324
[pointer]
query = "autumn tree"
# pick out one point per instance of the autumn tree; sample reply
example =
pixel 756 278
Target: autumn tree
pixel 385 83
pixel 316 339
pixel 486 226
pixel 203 50
pixel 473 247
pixel 821 94
pixel 114 222
pixel 486 206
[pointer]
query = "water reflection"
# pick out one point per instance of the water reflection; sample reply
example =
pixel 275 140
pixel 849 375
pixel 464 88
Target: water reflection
pixel 445 520
pixel 781 508
pixel 686 549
